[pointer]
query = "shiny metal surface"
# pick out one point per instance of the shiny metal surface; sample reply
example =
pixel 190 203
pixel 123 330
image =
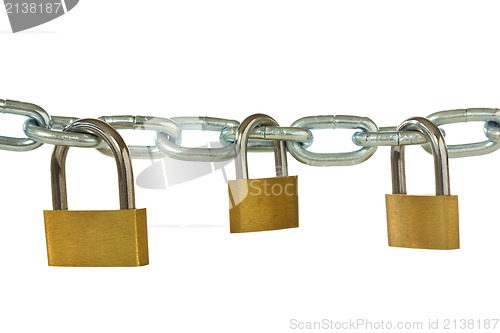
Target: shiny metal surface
pixel 423 222
pixel 97 238
pixel 120 151
pixel 388 136
pixel 439 151
pixel 41 128
pixel 55 135
pixel 250 212
pixel 169 128
pixel 492 130
pixel 242 136
pixel 29 110
pixel 419 221
pixel 262 135
pixel 332 122
pixel 463 116
pixel 176 151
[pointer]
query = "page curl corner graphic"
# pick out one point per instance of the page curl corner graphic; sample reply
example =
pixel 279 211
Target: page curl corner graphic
pixel 26 14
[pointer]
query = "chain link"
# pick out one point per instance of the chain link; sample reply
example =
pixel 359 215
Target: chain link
pixel 31 111
pixel 161 126
pixel 492 130
pixel 462 116
pixel 214 153
pixel 388 136
pixel 41 128
pixel 332 122
pixel 261 137
pixel 54 135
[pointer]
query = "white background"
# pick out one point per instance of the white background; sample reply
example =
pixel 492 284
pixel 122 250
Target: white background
pixel 387 60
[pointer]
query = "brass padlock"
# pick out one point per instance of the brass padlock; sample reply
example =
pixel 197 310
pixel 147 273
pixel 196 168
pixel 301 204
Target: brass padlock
pixel 266 203
pixel 419 221
pixel 99 238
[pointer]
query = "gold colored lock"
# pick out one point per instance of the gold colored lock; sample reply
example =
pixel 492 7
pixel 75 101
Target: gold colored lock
pixel 266 203
pixel 99 238
pixel 419 221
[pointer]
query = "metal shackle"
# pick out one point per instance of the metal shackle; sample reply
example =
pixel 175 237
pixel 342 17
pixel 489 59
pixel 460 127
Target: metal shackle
pixel 241 145
pixel 439 152
pixel 120 152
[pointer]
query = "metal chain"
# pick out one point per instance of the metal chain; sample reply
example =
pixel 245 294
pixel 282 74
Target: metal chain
pixel 32 111
pixel 332 122
pixel 41 128
pixel 462 116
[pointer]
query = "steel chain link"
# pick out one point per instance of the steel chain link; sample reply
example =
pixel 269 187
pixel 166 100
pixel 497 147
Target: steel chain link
pixel 331 122
pixel 466 115
pixel 160 125
pixel 31 111
pixel 41 128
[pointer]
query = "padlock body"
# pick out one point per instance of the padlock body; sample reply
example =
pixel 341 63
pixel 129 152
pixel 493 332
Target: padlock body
pixel 99 238
pixel 263 204
pixel 423 222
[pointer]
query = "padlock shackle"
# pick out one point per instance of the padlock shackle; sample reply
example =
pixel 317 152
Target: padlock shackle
pixel 241 143
pixel 120 152
pixel 439 151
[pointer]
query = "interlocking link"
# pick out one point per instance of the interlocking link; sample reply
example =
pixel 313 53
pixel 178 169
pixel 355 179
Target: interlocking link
pixel 388 136
pixel 218 125
pixel 54 134
pixel 330 159
pixel 40 128
pixel 162 126
pixel 215 154
pixel 29 110
pixel 492 130
pixel 262 136
pixel 463 116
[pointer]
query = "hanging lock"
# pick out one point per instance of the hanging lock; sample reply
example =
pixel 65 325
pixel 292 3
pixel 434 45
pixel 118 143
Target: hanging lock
pixel 418 221
pixel 114 238
pixel 266 203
